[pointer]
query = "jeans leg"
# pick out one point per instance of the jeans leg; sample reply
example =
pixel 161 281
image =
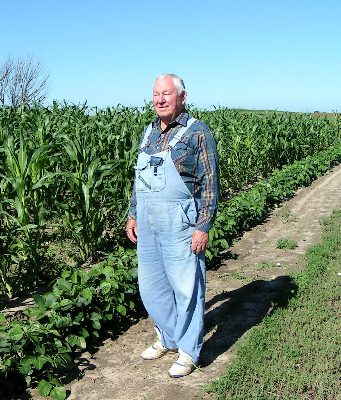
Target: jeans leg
pixel 156 292
pixel 188 282
pixel 186 275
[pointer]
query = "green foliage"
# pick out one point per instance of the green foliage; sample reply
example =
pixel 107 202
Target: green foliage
pixel 285 243
pixel 67 171
pixel 22 210
pixel 249 207
pixel 65 319
pixel 268 265
pixel 292 353
pixel 252 144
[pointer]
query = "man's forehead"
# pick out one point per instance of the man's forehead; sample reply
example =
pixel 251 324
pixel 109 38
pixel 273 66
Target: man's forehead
pixel 166 83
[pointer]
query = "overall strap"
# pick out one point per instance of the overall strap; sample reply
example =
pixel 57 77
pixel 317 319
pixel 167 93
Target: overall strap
pixel 180 133
pixel 175 139
pixel 146 135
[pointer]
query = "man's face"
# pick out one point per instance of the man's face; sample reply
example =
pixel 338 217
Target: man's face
pixel 167 103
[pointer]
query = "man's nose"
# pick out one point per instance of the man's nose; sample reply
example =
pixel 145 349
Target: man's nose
pixel 161 98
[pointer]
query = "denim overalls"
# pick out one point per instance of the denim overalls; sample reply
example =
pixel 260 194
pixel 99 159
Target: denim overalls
pixel 171 277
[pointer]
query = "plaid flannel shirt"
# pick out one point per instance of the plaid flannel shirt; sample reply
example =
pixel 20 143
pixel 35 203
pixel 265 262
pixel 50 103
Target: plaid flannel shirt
pixel 196 160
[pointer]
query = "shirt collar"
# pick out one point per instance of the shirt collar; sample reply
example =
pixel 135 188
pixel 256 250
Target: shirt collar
pixel 181 119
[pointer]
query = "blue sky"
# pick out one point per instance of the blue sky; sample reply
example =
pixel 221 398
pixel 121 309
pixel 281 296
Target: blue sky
pixel 278 54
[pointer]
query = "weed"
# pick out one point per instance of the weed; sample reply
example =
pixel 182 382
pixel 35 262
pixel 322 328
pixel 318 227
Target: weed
pixel 287 215
pixel 268 265
pixel 285 243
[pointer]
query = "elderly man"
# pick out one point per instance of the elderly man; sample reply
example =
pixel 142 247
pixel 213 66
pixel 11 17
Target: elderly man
pixel 173 206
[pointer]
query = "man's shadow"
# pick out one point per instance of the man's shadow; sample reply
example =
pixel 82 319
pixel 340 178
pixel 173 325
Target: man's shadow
pixel 239 310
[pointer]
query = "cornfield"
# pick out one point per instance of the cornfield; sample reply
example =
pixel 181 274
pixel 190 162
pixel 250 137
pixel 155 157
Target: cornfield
pixel 66 174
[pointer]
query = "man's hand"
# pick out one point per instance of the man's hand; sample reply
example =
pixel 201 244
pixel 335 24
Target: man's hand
pixel 131 229
pixel 199 242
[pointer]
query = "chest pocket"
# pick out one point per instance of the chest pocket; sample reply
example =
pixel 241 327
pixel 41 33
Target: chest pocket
pixel 150 173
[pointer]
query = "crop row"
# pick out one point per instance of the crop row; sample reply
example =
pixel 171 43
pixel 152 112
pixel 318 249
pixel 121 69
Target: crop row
pixel 66 174
pixel 64 320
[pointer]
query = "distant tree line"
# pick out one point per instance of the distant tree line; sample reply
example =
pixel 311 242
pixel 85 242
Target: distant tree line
pixel 22 81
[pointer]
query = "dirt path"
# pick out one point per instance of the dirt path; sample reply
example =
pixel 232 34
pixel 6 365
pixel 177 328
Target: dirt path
pixel 239 294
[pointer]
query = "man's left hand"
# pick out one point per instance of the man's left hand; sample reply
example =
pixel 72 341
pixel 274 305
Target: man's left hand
pixel 199 241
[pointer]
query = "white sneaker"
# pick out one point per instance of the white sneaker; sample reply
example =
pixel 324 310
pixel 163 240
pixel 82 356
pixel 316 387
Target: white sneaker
pixel 183 366
pixel 155 351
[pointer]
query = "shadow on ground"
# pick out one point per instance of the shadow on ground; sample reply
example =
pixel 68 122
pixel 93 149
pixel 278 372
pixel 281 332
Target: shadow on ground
pixel 232 313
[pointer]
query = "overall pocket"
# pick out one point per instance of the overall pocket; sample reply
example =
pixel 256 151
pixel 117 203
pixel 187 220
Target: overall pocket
pixel 149 173
pixel 189 213
pixel 142 174
pixel 157 173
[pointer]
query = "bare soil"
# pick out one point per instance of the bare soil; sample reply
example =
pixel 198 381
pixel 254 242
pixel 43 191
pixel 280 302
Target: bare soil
pixel 240 292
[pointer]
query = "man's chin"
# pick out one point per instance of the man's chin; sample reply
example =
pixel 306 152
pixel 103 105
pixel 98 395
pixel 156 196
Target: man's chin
pixel 164 112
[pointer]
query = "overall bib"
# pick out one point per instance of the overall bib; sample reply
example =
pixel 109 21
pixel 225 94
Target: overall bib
pixel 171 277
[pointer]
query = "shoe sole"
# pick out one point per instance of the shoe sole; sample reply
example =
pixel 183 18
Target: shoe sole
pixel 154 358
pixel 180 376
pixel 161 355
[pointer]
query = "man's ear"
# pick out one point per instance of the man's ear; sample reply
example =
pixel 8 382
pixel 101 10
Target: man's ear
pixel 184 97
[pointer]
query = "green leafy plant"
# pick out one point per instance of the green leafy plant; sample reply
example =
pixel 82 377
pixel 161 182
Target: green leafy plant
pixel 285 243
pixel 249 207
pixel 91 200
pixel 23 207
pixel 65 319
pixel 268 265
pixel 67 173
pixel 287 215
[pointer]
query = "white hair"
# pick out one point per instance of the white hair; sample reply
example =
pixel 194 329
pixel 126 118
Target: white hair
pixel 178 82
